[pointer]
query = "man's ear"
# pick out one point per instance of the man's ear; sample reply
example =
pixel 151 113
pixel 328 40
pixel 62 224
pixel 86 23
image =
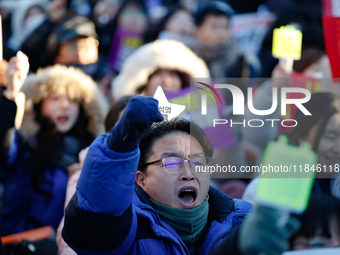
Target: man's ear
pixel 141 179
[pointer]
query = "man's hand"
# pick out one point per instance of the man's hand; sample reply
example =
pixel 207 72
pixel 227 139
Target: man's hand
pixel 260 233
pixel 16 74
pixel 138 115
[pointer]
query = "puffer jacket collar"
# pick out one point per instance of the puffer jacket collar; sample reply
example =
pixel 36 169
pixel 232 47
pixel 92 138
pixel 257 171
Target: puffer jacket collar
pixel 225 215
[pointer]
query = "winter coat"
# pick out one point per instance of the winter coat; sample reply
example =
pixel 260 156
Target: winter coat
pixel 25 208
pixel 109 214
pixel 19 10
pixel 161 54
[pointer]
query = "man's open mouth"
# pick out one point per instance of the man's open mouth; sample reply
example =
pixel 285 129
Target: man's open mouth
pixel 187 195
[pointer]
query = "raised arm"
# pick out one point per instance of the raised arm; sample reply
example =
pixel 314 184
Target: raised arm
pixel 100 216
pixel 16 74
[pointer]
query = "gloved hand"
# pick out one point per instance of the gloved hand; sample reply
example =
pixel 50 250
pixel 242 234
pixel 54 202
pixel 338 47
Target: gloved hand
pixel 260 233
pixel 138 115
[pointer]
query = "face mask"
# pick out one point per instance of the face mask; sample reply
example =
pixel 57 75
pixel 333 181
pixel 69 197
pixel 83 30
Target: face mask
pixel 90 69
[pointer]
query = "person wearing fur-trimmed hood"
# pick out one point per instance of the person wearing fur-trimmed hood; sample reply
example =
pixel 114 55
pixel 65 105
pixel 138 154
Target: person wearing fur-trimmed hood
pixel 168 63
pixel 64 112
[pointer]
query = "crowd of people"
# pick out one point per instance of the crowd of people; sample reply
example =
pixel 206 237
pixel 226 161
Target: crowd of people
pixel 85 150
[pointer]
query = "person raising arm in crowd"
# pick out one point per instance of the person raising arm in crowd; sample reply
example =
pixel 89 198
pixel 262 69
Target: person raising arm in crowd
pixel 141 195
pixel 64 112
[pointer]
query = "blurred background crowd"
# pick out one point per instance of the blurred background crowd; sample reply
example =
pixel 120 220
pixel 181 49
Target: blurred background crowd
pixel 233 39
pixel 129 47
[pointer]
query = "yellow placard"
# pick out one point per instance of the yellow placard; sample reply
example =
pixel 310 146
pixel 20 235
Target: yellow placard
pixel 287 42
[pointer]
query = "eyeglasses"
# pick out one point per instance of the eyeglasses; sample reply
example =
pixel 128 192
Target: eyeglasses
pixel 176 165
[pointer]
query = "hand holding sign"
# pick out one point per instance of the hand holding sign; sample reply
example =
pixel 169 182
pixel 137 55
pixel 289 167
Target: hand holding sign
pixel 290 189
pixel 284 184
pixel 287 42
pixel 280 78
pixel 259 235
pixel 270 223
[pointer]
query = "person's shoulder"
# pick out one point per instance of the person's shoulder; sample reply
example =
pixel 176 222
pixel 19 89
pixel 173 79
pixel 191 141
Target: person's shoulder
pixel 220 202
pixel 221 205
pixel 242 206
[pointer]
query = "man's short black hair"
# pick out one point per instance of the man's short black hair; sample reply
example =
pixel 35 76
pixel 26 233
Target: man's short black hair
pixel 216 8
pixel 158 130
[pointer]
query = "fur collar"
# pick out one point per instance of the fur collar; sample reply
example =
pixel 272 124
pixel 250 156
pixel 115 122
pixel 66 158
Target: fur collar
pixel 62 79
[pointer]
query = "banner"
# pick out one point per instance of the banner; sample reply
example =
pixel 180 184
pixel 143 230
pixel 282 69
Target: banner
pixel 331 30
pixel 250 29
pixel 124 44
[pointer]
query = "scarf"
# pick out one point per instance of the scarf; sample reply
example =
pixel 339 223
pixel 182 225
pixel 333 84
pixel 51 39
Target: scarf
pixel 188 223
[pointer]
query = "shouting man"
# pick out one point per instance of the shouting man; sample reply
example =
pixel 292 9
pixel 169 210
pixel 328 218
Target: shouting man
pixel 143 196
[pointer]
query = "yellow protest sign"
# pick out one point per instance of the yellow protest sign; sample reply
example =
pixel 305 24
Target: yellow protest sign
pixel 287 42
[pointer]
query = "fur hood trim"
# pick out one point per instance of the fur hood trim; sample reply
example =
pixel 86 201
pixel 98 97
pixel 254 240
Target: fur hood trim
pixel 165 54
pixel 63 80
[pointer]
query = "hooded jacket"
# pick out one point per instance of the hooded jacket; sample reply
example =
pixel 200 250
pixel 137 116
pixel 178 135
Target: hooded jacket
pixel 161 54
pixel 21 26
pixel 123 220
pixel 23 207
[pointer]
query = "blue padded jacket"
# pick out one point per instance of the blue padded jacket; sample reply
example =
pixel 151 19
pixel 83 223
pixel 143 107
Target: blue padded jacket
pixel 110 215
